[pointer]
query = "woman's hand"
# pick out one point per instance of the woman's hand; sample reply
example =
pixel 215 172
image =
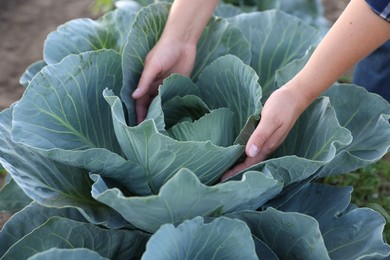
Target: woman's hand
pixel 175 51
pixel 168 56
pixel 278 116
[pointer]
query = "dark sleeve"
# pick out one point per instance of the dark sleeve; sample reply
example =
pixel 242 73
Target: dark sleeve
pixel 381 7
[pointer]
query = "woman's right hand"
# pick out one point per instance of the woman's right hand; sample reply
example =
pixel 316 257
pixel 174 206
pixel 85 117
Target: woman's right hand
pixel 169 55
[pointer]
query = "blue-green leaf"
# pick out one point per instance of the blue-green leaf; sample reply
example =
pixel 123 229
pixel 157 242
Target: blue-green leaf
pixel 50 183
pixel 84 34
pixel 290 235
pixel 219 38
pixel 65 233
pixel 184 197
pixel 64 115
pixel 31 217
pixel 228 82
pixel 226 10
pixel 223 238
pixel 68 254
pixel 311 143
pixel 161 156
pixel 194 131
pixel 364 114
pixel 12 197
pixel 31 71
pixel 271 51
pixel 348 233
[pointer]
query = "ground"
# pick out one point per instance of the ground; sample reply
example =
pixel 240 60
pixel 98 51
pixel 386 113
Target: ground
pixel 24 25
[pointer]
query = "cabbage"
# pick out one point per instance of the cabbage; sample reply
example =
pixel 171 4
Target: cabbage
pixel 99 186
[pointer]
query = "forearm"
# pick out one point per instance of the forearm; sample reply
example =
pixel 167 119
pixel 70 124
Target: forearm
pixel 357 32
pixel 188 18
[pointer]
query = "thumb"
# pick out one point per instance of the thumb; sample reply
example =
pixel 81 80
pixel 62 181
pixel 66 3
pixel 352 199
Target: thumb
pixel 259 138
pixel 148 75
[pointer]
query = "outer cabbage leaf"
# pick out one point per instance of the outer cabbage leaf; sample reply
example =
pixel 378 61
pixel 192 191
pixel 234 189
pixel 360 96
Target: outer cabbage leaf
pixel 12 197
pixel 317 134
pixel 311 11
pixel 226 10
pixel 367 116
pixel 311 143
pixel 31 217
pixel 289 235
pixel 68 254
pixel 66 233
pixel 348 233
pixel 364 114
pixel 50 183
pixel 223 238
pixel 215 41
pixel 84 34
pixel 271 51
pixel 31 71
pixel 64 107
pixel 64 115
pixel 184 197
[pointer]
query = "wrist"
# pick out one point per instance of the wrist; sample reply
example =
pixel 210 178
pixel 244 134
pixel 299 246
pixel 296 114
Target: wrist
pixel 188 18
pixel 300 92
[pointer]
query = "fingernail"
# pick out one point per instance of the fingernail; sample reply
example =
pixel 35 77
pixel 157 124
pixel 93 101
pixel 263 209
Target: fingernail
pixel 253 150
pixel 136 92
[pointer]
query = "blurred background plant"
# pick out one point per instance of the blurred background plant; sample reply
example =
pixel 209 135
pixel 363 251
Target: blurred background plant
pixel 102 6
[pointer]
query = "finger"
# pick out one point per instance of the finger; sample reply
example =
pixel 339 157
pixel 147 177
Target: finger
pixel 240 167
pixel 260 136
pixel 141 107
pixel 149 74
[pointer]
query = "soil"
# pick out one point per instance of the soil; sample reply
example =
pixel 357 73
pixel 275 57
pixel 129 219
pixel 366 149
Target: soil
pixel 24 25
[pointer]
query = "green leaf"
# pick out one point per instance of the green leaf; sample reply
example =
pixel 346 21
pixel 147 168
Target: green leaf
pixel 220 119
pixel 161 157
pixel 50 183
pixel 218 38
pixel 64 107
pixel 228 82
pixel 290 235
pixel 84 34
pixel 69 254
pixel 64 115
pixel 144 34
pixel 317 134
pixel 65 233
pixel 348 233
pixel 31 217
pixel 12 197
pixel 31 71
pixel 366 116
pixel 223 238
pixel 184 197
pixel 311 11
pixel 311 144
pixel 177 97
pixel 271 51
pixel 226 10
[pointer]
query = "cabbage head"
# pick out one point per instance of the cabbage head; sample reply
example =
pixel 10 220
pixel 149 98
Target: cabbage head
pixel 88 182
